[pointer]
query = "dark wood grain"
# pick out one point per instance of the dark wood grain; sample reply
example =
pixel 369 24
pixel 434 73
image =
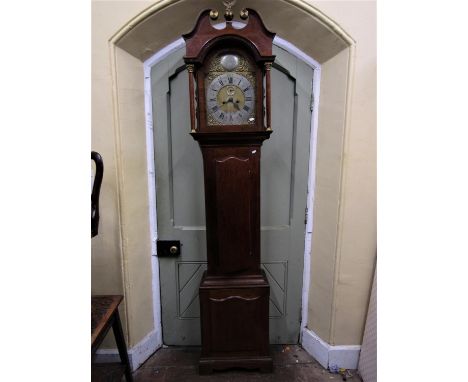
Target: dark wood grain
pixel 234 291
pixel 234 323
pixel 103 309
pixel 204 37
pixel 104 315
pixel 232 195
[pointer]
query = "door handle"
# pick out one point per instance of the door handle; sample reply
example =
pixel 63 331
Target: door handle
pixel 168 248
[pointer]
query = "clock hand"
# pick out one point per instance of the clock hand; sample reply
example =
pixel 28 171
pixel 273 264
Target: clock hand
pixel 228 100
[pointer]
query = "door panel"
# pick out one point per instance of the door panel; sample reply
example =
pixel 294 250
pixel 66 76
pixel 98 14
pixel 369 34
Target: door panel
pixel 277 155
pixel 184 176
pixel 181 205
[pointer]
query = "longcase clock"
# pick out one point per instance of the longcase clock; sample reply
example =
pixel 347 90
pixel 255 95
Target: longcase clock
pixel 229 87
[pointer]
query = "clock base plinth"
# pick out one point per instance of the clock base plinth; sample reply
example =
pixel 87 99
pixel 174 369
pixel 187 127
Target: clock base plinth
pixel 234 317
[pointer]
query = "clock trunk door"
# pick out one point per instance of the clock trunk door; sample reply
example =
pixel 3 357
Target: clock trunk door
pixel 181 204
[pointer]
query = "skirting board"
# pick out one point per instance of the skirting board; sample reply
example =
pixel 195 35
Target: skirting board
pixel 137 354
pixel 342 356
pixel 329 356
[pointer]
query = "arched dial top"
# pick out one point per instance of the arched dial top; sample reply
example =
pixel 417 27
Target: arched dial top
pixel 230 100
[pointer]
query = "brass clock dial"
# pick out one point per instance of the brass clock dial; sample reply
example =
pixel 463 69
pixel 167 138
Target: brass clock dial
pixel 231 99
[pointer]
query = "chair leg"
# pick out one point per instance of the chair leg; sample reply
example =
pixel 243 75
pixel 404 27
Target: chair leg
pixel 120 340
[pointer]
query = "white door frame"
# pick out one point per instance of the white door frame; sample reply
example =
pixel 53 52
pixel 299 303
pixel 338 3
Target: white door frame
pixel 147 65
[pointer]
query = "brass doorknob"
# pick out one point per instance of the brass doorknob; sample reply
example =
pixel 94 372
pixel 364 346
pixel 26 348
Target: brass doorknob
pixel 173 249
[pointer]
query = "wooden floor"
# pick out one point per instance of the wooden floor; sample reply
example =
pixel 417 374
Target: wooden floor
pixel 291 363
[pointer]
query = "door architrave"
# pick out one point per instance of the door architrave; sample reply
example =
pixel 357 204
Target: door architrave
pixel 157 58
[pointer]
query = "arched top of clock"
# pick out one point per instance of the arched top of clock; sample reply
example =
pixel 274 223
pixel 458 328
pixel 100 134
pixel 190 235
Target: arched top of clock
pixel 204 36
pixel 238 43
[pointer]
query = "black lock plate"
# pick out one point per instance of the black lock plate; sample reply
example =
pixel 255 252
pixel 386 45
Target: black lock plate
pixel 168 248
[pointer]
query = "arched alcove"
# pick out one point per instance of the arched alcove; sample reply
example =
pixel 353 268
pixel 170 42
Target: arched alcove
pixel 296 21
pixel 156 27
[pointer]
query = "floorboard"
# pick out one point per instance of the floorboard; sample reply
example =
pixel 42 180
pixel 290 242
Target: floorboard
pixel 290 363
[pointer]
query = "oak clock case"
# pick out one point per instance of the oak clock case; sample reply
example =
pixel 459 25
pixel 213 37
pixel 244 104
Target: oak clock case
pixel 230 118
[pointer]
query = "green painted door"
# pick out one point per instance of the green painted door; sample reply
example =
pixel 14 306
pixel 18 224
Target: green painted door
pixel 180 197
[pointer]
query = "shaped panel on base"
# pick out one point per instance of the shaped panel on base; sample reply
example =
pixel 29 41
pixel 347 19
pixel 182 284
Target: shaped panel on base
pixel 234 313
